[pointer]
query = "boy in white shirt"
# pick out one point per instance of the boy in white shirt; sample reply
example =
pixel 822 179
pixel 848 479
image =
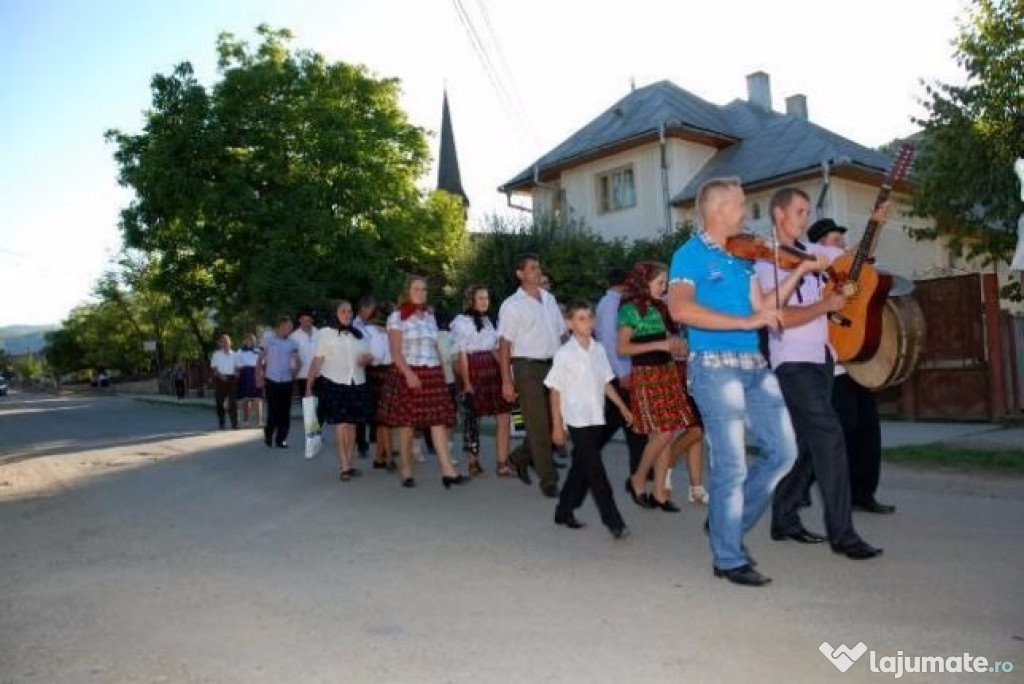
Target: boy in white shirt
pixel 579 380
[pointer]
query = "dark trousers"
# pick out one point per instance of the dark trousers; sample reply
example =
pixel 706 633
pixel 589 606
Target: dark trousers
pixel 587 473
pixel 613 420
pixel 858 414
pixel 279 410
pixel 807 389
pixel 179 388
pixel 533 399
pixel 225 391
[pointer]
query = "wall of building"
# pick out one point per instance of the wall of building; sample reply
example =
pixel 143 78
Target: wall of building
pixel 647 218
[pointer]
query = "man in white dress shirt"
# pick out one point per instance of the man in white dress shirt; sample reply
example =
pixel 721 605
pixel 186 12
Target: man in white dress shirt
pixel 530 326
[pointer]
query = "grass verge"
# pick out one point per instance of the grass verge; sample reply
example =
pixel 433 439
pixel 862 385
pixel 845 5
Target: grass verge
pixel 959 458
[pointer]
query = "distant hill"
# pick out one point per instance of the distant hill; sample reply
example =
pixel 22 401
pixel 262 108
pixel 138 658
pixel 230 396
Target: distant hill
pixel 17 340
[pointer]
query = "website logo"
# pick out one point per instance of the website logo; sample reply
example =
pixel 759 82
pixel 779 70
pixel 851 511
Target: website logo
pixel 842 657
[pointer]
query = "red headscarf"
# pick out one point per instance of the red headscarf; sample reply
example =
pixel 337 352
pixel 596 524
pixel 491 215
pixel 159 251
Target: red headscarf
pixel 638 291
pixel 408 309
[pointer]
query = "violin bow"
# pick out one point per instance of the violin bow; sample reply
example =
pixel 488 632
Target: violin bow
pixel 775 270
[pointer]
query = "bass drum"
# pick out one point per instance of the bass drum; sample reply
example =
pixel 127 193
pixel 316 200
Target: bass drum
pixel 903 332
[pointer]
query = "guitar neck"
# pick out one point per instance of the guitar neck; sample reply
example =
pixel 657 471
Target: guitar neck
pixel 867 243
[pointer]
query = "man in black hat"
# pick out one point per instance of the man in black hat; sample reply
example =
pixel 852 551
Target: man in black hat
pixel 856 407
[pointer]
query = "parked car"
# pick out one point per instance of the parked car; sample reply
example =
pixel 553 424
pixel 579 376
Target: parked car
pixel 3 386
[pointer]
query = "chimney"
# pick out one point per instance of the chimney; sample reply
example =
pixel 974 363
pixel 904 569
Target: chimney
pixel 797 106
pixel 759 90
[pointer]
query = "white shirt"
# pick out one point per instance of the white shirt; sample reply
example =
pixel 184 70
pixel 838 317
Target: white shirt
pixel 223 362
pixel 466 338
pixel 580 376
pixel 341 353
pixel 448 353
pixel 419 338
pixel 533 327
pixel 377 337
pixel 304 341
pixel 246 358
pixel 606 329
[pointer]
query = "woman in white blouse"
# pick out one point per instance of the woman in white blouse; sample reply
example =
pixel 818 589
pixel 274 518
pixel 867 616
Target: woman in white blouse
pixel 476 341
pixel 379 370
pixel 416 396
pixel 337 374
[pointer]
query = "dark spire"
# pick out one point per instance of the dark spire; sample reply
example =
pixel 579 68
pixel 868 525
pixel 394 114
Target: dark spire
pixel 448 177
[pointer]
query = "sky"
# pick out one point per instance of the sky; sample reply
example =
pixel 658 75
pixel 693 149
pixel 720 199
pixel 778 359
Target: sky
pixel 71 70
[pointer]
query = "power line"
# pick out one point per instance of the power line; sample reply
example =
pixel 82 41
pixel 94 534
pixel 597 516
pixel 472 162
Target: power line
pixel 510 76
pixel 506 99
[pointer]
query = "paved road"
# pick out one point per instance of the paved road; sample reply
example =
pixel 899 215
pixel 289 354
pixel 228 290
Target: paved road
pixel 136 546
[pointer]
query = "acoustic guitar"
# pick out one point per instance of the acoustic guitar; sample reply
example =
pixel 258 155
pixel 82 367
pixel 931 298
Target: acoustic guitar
pixel 856 330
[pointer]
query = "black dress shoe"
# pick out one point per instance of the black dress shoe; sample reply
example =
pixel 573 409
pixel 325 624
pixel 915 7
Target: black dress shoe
pixel 569 521
pixel 744 575
pixel 799 535
pixel 408 482
pixel 667 505
pixel 859 551
pixel 449 481
pixel 282 445
pixel 522 472
pixel 550 491
pixel 640 500
pixel 619 532
pixel 875 507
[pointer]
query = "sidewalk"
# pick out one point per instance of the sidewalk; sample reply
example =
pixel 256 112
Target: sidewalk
pixel 894 433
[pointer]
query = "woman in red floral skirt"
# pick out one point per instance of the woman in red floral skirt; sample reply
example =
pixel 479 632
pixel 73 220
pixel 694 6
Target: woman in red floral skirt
pixel 416 396
pixel 658 400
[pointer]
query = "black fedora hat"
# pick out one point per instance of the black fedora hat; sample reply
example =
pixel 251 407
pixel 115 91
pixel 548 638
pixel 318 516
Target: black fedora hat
pixel 823 227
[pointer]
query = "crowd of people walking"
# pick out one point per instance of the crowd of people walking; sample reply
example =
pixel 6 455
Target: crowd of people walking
pixel 394 376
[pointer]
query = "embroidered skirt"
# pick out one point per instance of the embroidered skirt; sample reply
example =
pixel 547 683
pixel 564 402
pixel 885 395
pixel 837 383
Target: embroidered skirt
pixel 697 422
pixel 340 403
pixel 486 377
pixel 658 400
pixel 431 404
pixel 377 379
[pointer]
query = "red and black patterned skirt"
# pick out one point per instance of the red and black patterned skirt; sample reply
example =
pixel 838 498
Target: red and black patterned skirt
pixel 697 422
pixel 486 377
pixel 377 378
pixel 658 400
pixel 431 404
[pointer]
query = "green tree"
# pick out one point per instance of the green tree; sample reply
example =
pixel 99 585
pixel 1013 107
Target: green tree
pixel 972 135
pixel 290 180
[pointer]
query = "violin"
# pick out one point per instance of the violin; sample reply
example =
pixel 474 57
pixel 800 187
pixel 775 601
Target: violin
pixel 753 248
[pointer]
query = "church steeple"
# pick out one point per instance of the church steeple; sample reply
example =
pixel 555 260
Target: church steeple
pixel 448 177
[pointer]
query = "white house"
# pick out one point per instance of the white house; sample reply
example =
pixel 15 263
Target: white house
pixel 635 169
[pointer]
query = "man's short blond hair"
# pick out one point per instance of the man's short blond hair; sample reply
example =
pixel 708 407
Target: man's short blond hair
pixel 710 190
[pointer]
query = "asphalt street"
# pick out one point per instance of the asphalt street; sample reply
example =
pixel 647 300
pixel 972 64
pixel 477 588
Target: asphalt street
pixel 138 544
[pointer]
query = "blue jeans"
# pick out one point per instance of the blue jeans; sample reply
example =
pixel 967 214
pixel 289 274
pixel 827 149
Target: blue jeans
pixel 729 399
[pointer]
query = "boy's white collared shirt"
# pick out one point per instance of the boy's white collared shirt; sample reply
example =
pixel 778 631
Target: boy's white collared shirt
pixel 580 376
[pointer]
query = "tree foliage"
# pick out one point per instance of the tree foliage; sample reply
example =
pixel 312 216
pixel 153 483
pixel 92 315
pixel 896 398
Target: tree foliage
pixel 290 180
pixel 972 135
pixel 574 258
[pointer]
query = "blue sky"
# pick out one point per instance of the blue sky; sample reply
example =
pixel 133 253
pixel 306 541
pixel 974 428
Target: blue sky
pixel 70 70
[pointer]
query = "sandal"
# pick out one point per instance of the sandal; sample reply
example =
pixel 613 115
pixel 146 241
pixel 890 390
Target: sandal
pixel 475 470
pixel 345 476
pixel 505 470
pixel 698 495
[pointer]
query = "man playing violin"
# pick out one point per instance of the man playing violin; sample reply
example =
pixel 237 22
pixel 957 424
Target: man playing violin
pixel 716 294
pixel 804 363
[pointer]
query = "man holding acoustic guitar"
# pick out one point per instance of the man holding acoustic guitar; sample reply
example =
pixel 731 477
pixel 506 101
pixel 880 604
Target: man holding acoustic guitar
pixel 803 358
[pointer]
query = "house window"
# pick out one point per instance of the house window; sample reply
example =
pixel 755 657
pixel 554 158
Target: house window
pixel 616 190
pixel 755 211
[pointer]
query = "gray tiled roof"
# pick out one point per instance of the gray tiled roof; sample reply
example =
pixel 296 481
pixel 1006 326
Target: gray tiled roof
pixel 641 112
pixel 768 144
pixel 776 145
